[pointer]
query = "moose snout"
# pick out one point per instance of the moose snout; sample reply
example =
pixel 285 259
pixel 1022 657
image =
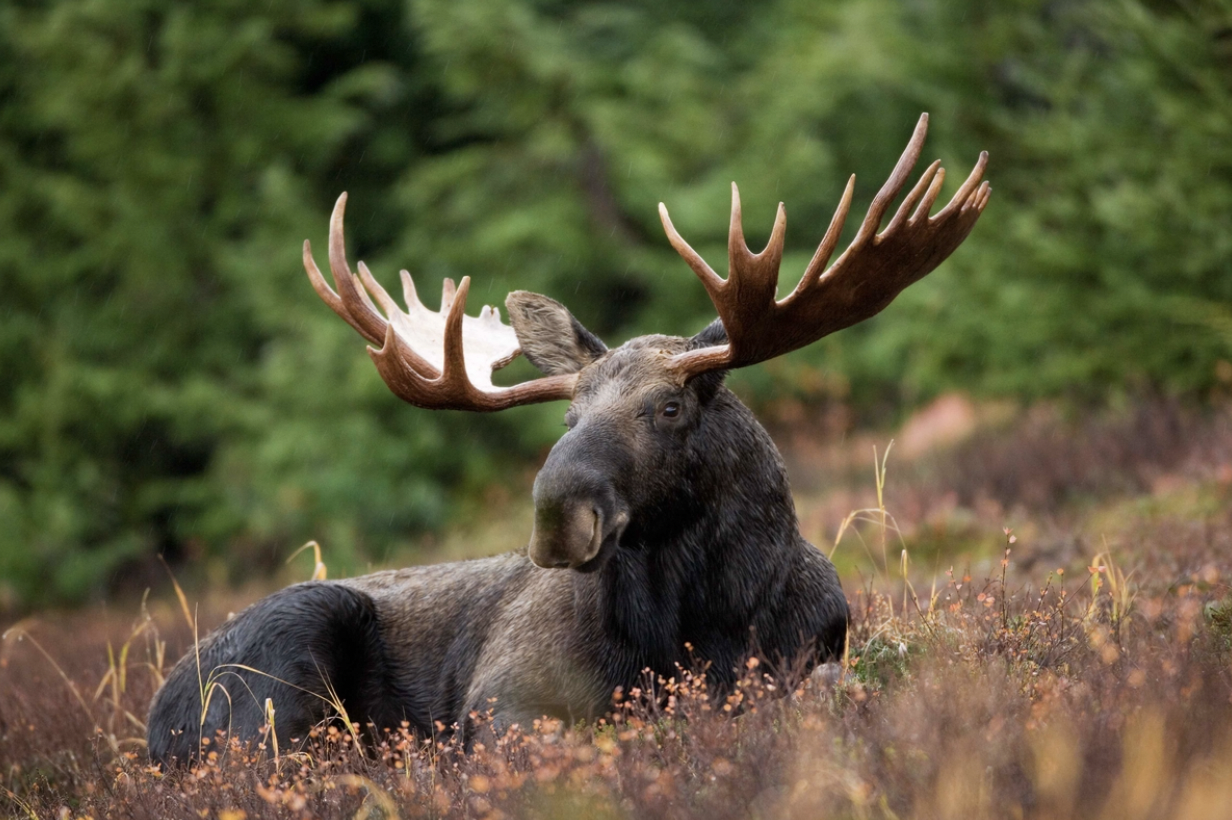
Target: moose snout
pixel 580 514
pixel 566 535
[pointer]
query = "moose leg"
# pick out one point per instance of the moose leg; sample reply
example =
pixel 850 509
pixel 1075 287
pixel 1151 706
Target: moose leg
pixel 307 650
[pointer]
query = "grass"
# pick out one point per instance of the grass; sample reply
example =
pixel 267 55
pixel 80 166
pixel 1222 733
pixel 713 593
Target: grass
pixel 1077 666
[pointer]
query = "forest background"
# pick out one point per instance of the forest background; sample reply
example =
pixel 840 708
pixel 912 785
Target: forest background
pixel 170 384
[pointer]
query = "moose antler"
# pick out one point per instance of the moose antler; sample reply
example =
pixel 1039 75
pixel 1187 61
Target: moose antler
pixel 437 360
pixel 867 276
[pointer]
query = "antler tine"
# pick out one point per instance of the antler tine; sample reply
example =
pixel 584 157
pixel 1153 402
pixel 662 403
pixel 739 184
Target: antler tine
pixel 408 288
pixel 736 246
pixel 326 292
pixel 965 190
pixel 370 285
pixel 360 312
pixel 455 356
pixel 927 182
pixel 898 178
pixel 448 290
pixel 711 280
pixel 821 257
pixel 926 204
pixel 985 193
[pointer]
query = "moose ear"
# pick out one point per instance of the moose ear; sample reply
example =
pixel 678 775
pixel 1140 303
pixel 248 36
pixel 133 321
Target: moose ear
pixel 713 334
pixel 707 384
pixel 553 341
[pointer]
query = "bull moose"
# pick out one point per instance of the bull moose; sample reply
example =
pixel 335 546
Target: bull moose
pixel 664 531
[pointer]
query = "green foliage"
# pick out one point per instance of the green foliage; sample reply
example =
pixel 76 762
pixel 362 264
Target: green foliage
pixel 153 170
pixel 170 383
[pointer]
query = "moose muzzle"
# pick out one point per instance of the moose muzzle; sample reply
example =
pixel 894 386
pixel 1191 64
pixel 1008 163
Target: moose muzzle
pixel 566 536
pixel 579 516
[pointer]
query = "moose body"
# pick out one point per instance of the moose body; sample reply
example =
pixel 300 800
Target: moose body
pixel 718 565
pixel 665 535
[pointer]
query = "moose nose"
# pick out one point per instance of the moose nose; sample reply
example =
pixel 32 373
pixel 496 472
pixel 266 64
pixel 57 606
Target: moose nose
pixel 578 508
pixel 565 535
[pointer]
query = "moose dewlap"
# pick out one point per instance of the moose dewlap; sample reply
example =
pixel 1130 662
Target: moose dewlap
pixel 662 516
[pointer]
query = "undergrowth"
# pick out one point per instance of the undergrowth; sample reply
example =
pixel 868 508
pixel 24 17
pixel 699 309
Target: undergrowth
pixel 1101 690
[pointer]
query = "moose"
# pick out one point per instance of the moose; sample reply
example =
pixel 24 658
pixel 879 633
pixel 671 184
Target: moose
pixel 664 532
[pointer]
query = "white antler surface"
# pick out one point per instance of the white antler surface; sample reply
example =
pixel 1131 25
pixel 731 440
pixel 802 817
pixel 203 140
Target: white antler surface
pixel 488 344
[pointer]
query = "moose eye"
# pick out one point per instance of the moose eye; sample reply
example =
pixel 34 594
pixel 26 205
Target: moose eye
pixel 671 410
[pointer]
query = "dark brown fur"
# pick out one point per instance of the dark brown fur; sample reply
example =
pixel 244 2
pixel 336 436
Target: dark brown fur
pixel 670 526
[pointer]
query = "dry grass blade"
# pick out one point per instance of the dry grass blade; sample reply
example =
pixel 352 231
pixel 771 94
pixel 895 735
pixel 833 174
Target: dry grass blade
pixel 25 807
pixel 21 632
pixel 318 568
pixel 180 596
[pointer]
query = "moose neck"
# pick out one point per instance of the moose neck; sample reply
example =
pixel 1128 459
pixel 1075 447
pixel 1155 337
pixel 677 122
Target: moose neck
pixel 698 566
